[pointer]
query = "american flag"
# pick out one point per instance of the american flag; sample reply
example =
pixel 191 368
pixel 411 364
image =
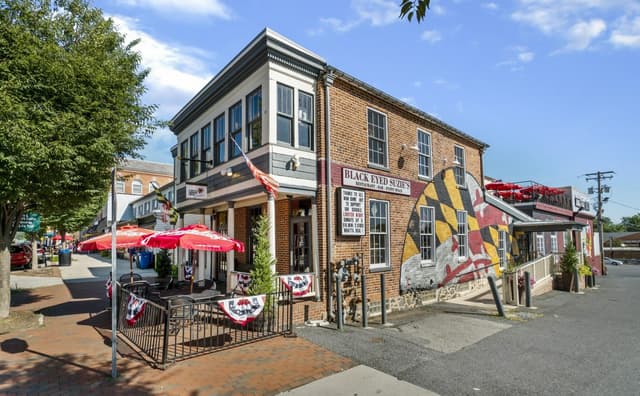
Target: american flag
pixel 269 183
pixel 166 204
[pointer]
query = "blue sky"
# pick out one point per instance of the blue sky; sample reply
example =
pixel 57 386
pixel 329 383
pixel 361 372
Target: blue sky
pixel 551 86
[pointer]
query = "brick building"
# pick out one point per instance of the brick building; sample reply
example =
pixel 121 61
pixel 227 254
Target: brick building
pixel 405 189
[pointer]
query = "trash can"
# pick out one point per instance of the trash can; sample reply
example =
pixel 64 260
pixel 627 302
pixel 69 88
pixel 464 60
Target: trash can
pixel 64 257
pixel 145 260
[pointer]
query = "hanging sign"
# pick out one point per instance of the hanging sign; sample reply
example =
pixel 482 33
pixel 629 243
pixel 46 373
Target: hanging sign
pixel 196 191
pixel 351 212
pixel 30 222
pixel 372 181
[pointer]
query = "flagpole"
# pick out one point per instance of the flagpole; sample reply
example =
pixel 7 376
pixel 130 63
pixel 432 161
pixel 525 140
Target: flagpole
pixel 114 284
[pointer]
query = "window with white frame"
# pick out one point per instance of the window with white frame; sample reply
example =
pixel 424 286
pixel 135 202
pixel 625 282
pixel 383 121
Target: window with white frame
pixel 540 244
pixel 184 154
pixel 424 154
pixel 205 147
pixel 554 242
pixel 285 114
pixel 459 165
pixel 254 119
pixel 377 128
pixel 305 120
pixel 462 233
pixel 502 248
pixel 150 187
pixel 120 186
pixel 194 169
pixel 218 140
pixel 427 235
pixel 136 187
pixel 235 129
pixel 378 235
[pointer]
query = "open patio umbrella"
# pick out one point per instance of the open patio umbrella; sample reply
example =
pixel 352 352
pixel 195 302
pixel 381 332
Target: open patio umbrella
pixel 126 237
pixel 194 236
pixel 58 237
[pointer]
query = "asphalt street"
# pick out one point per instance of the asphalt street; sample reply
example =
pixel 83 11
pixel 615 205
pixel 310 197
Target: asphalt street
pixel 586 344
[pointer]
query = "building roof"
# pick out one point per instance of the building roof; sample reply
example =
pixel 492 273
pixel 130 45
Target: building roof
pixel 547 225
pixel 633 235
pixel 158 168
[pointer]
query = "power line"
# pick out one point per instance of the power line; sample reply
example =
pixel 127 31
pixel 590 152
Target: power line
pixel 625 205
pixel 599 177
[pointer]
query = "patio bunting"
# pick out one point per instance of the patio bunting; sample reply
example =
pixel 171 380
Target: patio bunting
pixel 166 204
pixel 188 272
pixel 135 308
pixel 269 183
pixel 243 310
pixel 299 284
pixel 243 280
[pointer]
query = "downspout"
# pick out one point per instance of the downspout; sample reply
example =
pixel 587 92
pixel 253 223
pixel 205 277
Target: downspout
pixel 328 82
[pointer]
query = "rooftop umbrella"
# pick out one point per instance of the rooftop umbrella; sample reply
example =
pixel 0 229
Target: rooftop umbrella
pixel 194 236
pixel 502 186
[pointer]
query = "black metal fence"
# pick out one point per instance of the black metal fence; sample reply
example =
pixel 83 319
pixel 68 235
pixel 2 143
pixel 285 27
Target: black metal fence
pixel 180 327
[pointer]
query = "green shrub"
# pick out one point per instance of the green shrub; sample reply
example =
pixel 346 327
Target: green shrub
pixel 569 260
pixel 261 275
pixel 163 264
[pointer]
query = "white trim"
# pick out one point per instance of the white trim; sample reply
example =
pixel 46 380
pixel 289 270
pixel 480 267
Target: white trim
pixel 387 249
pixel 384 166
pixel 430 175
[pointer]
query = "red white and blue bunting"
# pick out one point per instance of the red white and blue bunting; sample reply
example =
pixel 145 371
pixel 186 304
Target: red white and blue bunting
pixel 188 272
pixel 243 280
pixel 243 310
pixel 301 285
pixel 135 308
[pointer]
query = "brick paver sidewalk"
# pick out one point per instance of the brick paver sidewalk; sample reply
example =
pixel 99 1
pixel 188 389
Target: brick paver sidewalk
pixel 71 354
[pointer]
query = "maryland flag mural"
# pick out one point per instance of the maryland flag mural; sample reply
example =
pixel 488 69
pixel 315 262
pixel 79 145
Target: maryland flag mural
pixel 482 237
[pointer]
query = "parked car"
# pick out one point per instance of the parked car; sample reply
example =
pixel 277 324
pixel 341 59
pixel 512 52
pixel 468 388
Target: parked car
pixel 20 256
pixel 41 251
pixel 610 261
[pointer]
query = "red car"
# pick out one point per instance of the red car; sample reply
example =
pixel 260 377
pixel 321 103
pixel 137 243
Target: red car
pixel 20 256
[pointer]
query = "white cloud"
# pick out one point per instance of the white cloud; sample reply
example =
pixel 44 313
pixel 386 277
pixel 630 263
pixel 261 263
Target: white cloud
pixel 338 25
pixel 373 12
pixel 445 84
pixel 437 9
pixel 417 84
pixel 213 8
pixel 626 33
pixel 408 99
pixel 176 72
pixel 520 56
pixel 490 6
pixel 581 34
pixel 525 57
pixel 431 36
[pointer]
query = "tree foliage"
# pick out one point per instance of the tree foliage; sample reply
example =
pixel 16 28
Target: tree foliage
pixel 631 224
pixel 411 8
pixel 70 109
pixel 261 274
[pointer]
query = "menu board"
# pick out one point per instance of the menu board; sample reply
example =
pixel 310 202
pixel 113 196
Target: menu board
pixel 351 212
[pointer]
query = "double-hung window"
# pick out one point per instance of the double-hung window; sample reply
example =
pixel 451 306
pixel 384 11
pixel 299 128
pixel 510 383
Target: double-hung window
pixel 540 244
pixel 305 120
pixel 285 114
pixel 459 165
pixel 235 129
pixel 554 242
pixel 502 248
pixel 377 127
pixel 193 164
pixel 378 235
pixel 218 140
pixel 205 143
pixel 462 233
pixel 424 154
pixel 184 155
pixel 427 235
pixel 120 186
pixel 136 187
pixel 254 119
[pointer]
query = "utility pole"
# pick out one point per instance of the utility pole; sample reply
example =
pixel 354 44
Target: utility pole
pixel 599 177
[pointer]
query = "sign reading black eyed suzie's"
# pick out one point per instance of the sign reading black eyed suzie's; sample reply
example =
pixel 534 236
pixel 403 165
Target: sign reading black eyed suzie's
pixel 352 215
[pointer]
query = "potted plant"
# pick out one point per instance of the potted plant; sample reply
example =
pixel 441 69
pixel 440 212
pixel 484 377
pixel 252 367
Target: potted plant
pixel 261 274
pixel 568 265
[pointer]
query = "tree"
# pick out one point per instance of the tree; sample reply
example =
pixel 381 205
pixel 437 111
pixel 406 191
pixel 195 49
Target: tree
pixel 70 109
pixel 608 225
pixel 411 8
pixel 631 224
pixel 261 274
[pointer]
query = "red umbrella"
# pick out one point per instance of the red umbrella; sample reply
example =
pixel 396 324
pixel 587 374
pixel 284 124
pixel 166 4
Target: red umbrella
pixel 502 186
pixel 126 237
pixel 195 236
pixel 58 237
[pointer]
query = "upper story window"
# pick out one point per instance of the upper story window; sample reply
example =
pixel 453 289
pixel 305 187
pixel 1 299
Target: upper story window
pixel 184 154
pixel 254 119
pixel 424 154
pixel 235 129
pixel 377 126
pixel 205 143
pixel 379 235
pixel 427 235
pixel 462 233
pixel 285 114
pixel 193 165
pixel 554 242
pixel 218 140
pixel 136 187
pixel 305 120
pixel 502 248
pixel 459 165
pixel 120 186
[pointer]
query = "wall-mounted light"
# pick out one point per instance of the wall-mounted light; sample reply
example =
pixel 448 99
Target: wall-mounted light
pixel 456 162
pixel 295 162
pixel 414 147
pixel 226 172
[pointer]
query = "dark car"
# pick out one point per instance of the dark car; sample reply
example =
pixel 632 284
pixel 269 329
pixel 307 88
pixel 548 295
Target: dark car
pixel 20 256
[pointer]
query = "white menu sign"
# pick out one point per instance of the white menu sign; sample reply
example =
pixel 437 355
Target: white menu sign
pixel 352 212
pixel 371 181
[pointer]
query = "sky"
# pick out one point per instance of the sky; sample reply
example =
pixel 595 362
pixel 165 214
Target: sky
pixel 551 85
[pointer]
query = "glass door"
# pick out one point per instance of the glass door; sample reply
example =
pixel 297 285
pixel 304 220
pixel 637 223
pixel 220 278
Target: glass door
pixel 301 246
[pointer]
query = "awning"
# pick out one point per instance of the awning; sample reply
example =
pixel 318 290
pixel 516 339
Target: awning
pixel 547 225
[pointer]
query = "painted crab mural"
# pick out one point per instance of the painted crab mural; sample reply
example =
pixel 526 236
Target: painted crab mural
pixel 483 225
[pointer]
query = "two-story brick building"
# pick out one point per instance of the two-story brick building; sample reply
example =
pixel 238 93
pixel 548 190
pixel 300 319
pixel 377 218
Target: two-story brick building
pixel 361 175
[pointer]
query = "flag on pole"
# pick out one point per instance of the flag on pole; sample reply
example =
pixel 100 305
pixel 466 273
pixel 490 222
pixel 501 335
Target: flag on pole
pixel 166 204
pixel 269 183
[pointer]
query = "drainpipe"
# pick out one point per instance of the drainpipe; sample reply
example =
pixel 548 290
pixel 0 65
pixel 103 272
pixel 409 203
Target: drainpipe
pixel 328 82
